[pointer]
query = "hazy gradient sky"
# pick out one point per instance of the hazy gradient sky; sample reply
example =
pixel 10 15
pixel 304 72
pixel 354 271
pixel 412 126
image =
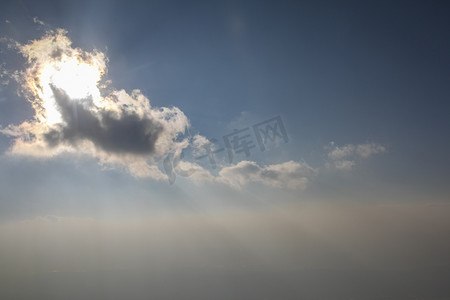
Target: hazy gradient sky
pixel 355 205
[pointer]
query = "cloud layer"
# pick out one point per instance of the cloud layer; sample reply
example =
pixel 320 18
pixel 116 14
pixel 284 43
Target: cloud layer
pixel 345 157
pixel 291 174
pixel 72 114
pixel 78 112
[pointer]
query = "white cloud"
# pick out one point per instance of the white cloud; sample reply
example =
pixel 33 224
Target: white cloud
pixel 341 152
pixel 292 175
pixel 77 111
pixel 346 157
pixel 73 115
pixel 37 21
pixel 366 150
pixel 344 164
pixel 4 75
pixel 121 130
pixel 199 142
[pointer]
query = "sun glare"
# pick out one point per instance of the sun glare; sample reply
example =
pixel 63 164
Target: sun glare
pixel 78 79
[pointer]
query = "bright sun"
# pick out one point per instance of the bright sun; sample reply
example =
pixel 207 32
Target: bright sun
pixel 78 79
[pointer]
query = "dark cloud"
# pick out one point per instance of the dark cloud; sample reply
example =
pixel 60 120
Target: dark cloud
pixel 113 132
pixel 57 53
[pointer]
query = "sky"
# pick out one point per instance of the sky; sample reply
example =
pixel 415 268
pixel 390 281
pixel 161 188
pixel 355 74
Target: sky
pixel 224 149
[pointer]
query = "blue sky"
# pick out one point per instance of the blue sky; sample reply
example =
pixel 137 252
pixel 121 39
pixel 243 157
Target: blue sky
pixel 361 88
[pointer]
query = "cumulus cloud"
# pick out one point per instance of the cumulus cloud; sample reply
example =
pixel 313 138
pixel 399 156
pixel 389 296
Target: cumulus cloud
pixel 366 150
pixel 291 174
pixel 73 115
pixel 123 132
pixel 77 111
pixel 119 129
pixel 345 157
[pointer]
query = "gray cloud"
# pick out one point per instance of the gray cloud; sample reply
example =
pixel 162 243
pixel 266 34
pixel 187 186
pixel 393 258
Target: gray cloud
pixel 122 132
pixel 75 113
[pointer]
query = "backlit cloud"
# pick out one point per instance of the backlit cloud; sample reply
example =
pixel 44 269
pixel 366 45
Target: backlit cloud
pixel 77 111
pixel 72 114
